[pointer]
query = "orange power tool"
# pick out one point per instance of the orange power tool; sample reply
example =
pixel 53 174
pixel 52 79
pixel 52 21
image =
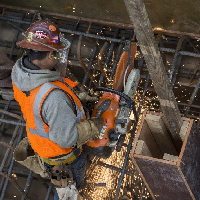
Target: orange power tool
pixel 114 107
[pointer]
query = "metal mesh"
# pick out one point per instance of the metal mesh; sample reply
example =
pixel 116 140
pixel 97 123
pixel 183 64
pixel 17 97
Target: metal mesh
pixel 93 57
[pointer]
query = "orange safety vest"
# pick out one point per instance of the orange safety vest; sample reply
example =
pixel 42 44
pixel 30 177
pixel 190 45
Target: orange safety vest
pixel 37 131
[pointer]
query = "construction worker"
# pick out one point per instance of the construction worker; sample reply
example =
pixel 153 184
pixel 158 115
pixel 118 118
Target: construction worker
pixel 56 123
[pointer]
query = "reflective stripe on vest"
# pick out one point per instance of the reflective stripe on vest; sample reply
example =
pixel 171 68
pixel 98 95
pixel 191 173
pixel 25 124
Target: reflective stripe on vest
pixel 81 113
pixel 36 110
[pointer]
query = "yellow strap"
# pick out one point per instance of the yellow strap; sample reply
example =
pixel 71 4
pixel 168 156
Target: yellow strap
pixel 48 161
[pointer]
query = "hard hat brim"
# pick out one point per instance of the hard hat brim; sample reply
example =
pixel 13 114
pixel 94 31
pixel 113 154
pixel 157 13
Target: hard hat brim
pixel 35 46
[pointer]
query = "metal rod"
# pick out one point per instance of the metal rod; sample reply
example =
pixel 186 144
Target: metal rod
pixel 14 20
pixel 92 58
pixel 5 144
pixel 2 116
pixel 82 64
pixel 192 97
pixel 185 53
pixel 15 38
pixel 144 92
pixel 179 45
pixel 125 161
pixel 169 50
pixel 28 184
pixel 12 122
pixel 177 67
pixel 119 52
pixel 100 58
pixel 109 55
pixel 43 182
pixel 8 150
pixel 11 165
pixel 130 141
pixel 13 181
pixel 12 115
pixel 49 191
pixel 92 35
pixel 71 75
pixel 113 168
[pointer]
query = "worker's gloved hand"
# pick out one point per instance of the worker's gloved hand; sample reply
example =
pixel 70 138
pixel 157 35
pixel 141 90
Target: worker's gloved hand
pixel 98 122
pixel 85 97
pixel 87 129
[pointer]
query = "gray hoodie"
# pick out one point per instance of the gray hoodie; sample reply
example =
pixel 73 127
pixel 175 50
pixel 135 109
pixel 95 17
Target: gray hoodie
pixel 57 110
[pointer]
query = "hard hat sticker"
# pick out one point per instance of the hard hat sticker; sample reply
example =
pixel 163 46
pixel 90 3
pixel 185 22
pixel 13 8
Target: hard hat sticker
pixel 40 34
pixel 52 28
pixel 54 39
pixel 30 36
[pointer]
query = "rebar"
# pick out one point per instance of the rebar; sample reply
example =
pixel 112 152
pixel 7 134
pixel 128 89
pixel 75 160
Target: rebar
pixel 125 160
pixel 109 56
pixel 82 63
pixel 178 65
pixel 119 52
pixel 12 115
pixel 100 58
pixel 49 191
pixel 11 165
pixel 12 122
pixel 8 150
pixel 5 144
pixel 92 35
pixel 192 97
pixel 14 20
pixel 2 116
pixel 28 184
pixel 113 168
pixel 184 53
pixel 180 42
pixel 15 38
pixel 92 57
pixel 121 42
pixel 13 181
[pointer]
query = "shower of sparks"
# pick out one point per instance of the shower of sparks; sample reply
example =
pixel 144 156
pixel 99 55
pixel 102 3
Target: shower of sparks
pixel 102 182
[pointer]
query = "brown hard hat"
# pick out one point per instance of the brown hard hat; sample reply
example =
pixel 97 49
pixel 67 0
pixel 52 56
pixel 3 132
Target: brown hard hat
pixel 42 35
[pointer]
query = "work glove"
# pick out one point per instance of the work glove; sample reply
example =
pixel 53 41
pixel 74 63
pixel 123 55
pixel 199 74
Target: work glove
pixel 85 97
pixel 87 129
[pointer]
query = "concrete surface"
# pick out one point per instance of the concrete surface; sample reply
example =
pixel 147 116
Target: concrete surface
pixel 175 15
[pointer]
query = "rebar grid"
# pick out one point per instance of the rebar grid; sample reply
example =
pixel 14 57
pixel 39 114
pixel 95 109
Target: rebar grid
pixel 125 179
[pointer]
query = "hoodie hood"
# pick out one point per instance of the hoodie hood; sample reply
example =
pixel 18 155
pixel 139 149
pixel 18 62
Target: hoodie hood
pixel 26 79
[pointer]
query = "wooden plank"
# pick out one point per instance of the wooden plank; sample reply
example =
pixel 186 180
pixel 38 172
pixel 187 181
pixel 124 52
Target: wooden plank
pixel 189 162
pixel 143 29
pixel 160 134
pixel 163 179
pixel 143 178
pixel 142 148
pixel 147 136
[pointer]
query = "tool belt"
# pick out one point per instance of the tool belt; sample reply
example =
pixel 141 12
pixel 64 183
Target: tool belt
pixel 63 159
pixel 61 175
pixel 59 169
